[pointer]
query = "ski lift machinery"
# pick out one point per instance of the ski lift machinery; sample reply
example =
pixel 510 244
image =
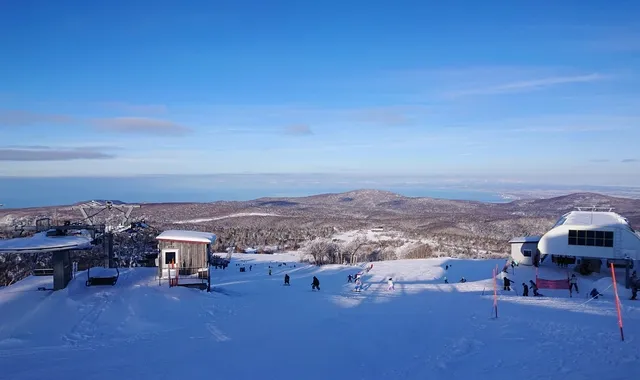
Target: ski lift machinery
pixel 109 274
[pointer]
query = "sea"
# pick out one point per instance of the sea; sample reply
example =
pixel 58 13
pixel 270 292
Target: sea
pixel 18 192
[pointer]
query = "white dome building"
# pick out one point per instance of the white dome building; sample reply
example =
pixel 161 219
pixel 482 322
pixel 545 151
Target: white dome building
pixel 592 235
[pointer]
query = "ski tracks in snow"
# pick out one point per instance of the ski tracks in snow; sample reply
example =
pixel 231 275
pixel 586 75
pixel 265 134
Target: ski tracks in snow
pixel 85 329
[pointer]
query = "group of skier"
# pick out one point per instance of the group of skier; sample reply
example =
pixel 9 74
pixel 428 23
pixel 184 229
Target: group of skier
pixel 315 283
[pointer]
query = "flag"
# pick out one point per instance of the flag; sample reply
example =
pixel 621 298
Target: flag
pixel 552 284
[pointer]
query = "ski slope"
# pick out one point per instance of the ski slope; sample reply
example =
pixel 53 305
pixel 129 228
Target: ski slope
pixel 253 327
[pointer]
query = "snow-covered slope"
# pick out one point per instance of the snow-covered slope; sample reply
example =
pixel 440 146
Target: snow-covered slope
pixel 253 327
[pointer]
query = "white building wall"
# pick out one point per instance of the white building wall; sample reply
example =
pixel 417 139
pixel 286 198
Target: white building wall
pixel 625 242
pixel 518 250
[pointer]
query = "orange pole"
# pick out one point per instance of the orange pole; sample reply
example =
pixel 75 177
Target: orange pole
pixel 615 290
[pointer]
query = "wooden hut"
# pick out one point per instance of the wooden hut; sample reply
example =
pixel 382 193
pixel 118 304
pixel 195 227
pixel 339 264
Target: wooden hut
pixel 188 251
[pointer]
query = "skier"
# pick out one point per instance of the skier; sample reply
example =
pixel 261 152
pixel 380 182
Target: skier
pixel 573 283
pixel 358 285
pixel 463 280
pixel 446 267
pixel 635 283
pixel 525 290
pixel 507 284
pixel 350 278
pixel 286 279
pixel 595 293
pixel 269 272
pixel 445 280
pixel 390 283
pixel 250 266
pixel 315 284
pixel 534 287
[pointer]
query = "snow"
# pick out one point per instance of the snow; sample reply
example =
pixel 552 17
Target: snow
pixel 252 327
pixel 103 272
pixel 594 218
pixel 190 236
pixel 525 239
pixel 236 215
pixel 41 242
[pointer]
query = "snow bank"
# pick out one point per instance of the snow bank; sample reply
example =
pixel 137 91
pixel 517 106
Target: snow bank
pixel 41 242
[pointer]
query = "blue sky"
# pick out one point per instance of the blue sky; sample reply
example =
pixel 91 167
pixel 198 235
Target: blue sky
pixel 548 91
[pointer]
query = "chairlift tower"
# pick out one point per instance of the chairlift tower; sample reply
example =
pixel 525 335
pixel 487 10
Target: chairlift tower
pixel 109 229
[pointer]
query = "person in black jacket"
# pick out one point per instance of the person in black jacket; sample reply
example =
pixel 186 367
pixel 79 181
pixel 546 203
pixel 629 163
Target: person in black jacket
pixel 534 288
pixel 525 290
pixel 507 284
pixel 315 284
pixel 286 279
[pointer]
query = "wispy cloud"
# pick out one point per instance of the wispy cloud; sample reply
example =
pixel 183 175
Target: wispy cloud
pixel 600 160
pixel 528 85
pixel 45 153
pixel 128 108
pixel 140 125
pixel 17 118
pixel 630 160
pixel 298 130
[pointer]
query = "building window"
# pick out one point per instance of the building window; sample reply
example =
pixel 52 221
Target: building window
pixel 169 258
pixel 591 238
pixel 526 252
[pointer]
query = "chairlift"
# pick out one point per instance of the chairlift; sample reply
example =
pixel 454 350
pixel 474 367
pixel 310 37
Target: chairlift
pixel 102 276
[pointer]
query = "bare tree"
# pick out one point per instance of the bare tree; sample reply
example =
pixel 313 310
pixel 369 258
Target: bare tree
pixel 354 248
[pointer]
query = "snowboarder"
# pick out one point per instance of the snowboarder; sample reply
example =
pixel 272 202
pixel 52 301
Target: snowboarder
pixel 250 266
pixel 350 278
pixel 463 280
pixel 390 283
pixel 573 283
pixel 525 290
pixel 446 267
pixel 595 293
pixel 269 272
pixel 315 284
pixel 534 288
pixel 445 280
pixel 286 279
pixel 507 284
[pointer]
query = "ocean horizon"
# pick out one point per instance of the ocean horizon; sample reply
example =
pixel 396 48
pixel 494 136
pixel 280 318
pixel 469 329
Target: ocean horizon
pixel 42 192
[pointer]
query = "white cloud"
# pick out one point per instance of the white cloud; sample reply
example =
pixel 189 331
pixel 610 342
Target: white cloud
pixel 527 85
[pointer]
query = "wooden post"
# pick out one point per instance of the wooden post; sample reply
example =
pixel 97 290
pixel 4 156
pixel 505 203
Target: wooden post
pixel 615 290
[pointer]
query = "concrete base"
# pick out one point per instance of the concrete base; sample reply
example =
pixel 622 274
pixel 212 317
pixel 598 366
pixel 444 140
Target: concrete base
pixel 62 272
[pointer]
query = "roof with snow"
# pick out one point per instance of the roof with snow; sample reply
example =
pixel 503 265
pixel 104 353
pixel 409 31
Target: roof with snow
pixel 40 242
pixel 188 236
pixel 592 218
pixel 525 239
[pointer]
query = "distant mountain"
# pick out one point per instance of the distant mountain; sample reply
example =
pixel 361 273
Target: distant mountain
pixel 426 218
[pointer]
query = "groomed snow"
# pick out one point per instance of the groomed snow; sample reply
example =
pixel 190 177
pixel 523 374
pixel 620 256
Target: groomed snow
pixel 237 215
pixel 41 242
pixel 253 327
pixel 190 236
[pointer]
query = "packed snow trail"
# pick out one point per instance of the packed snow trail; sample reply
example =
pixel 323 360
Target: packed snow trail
pixel 253 327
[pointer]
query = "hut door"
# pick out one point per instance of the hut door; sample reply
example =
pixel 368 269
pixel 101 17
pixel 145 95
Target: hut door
pixel 169 256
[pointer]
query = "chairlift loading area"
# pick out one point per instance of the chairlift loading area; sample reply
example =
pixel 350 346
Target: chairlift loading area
pixel 63 239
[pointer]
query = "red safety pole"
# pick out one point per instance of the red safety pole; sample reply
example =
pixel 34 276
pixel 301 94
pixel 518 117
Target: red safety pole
pixel 495 293
pixel 615 290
